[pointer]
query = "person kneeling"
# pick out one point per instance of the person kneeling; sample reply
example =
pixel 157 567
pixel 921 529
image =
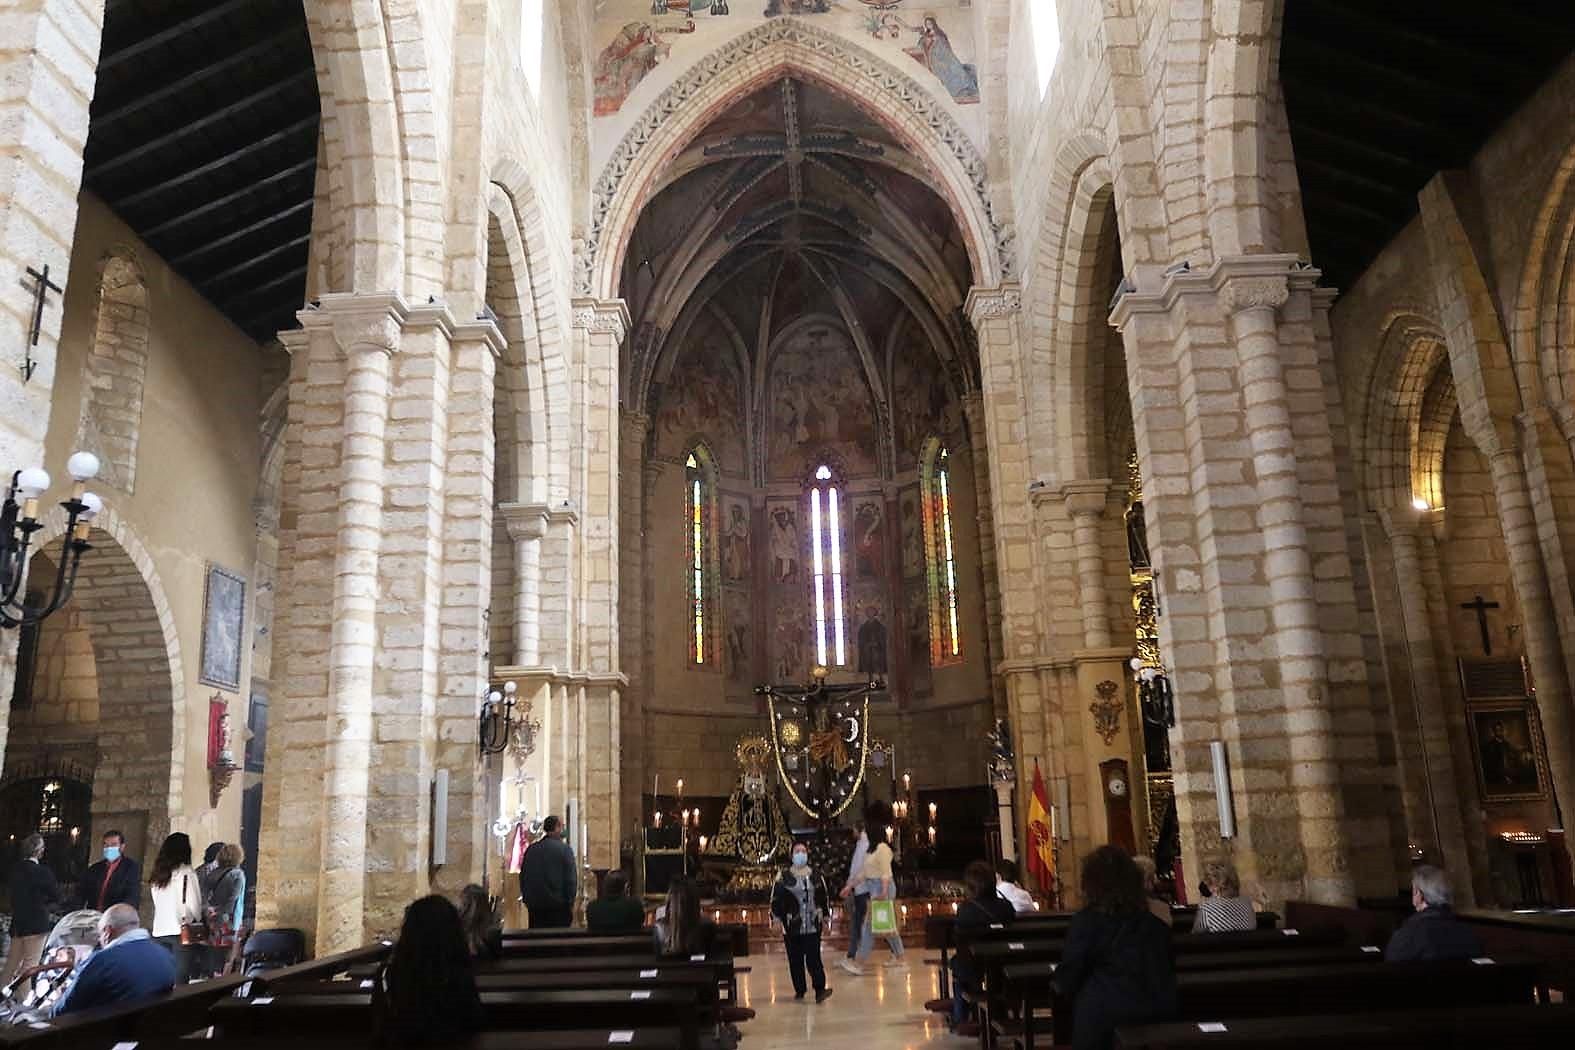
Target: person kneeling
pixel 798 902
pixel 129 965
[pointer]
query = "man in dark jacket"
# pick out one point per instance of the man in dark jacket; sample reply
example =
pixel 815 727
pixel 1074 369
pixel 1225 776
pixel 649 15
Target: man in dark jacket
pixel 1433 932
pixel 117 879
pixel 547 879
pixel 128 966
pixel 33 890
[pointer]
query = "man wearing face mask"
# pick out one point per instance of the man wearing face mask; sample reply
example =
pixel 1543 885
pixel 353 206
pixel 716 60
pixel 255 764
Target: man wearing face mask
pixel 117 879
pixel 129 965
pixel 799 903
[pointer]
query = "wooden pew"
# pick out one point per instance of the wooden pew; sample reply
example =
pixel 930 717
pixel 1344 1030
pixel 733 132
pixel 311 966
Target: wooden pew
pixel 182 1011
pixel 570 1039
pixel 540 947
pixel 1027 987
pixel 349 1015
pixel 1354 925
pixel 1430 1027
pixel 1547 936
pixel 1225 995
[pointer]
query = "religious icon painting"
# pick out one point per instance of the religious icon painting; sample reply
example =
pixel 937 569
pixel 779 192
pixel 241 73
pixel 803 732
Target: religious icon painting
pixel 1510 763
pixel 223 617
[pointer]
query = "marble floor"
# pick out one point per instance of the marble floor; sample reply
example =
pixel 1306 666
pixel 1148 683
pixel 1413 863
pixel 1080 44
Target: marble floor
pixel 882 1011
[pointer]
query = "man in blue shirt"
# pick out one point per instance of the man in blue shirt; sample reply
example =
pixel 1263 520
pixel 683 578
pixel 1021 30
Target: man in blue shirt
pixel 128 966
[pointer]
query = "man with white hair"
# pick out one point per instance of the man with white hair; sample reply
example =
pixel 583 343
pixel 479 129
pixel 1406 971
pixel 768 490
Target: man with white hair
pixel 129 965
pixel 1433 932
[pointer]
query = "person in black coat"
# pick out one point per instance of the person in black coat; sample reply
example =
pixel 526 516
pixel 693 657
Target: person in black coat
pixel 1433 933
pixel 1116 968
pixel 547 879
pixel 984 909
pixel 800 902
pixel 117 879
pixel 33 891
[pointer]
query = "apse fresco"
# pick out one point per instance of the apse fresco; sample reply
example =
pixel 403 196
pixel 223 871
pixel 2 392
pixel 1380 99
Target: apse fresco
pixel 702 400
pixel 921 406
pixel 818 404
pixel 643 45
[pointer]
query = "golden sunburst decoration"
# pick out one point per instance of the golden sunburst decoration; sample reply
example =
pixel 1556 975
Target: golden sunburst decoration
pixel 791 732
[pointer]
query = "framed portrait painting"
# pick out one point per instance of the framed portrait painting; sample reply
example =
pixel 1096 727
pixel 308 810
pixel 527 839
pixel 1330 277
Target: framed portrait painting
pixel 1509 758
pixel 223 617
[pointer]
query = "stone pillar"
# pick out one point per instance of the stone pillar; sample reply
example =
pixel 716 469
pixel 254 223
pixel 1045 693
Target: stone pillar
pixel 973 414
pixel 1442 830
pixel 50 53
pixel 1234 439
pixel 599 330
pixel 633 629
pixel 1536 605
pixel 368 337
pixel 527 524
pixel 1085 503
pixel 1003 415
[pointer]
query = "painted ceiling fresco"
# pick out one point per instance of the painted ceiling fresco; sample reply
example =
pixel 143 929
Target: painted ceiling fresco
pixel 644 45
pixel 794 267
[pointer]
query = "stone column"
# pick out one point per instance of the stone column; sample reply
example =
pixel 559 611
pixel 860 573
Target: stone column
pixel 1085 503
pixel 1442 834
pixel 1234 438
pixel 367 329
pixel 1542 638
pixel 527 524
pixel 633 628
pixel 993 314
pixel 50 54
pixel 973 414
pixel 599 330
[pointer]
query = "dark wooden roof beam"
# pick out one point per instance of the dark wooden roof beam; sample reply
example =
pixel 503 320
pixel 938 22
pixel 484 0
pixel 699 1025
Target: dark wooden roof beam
pixel 1374 28
pixel 256 260
pixel 249 190
pixel 296 277
pixel 266 144
pixel 1311 62
pixel 214 15
pixel 231 238
pixel 154 146
pixel 1361 152
pixel 1318 205
pixel 1334 177
pixel 159 96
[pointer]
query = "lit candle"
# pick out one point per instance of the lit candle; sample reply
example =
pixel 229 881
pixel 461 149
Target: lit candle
pixel 905 911
pixel 932 835
pixel 954 907
pixel 680 787
pixel 658 818
pixel 686 816
pixel 933 808
pixel 702 843
pixel 697 816
pixel 718 914
pixel 888 833
pixel 907 781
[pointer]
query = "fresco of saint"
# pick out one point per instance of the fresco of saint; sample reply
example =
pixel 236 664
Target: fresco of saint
pixel 933 50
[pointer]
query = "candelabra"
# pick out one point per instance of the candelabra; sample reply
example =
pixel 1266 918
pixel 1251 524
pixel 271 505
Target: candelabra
pixel 19 521
pixel 497 723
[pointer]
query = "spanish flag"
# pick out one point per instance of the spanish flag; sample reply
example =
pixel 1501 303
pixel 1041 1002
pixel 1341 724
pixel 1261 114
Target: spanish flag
pixel 1041 847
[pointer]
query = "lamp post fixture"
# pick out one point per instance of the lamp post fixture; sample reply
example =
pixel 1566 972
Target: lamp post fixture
pixel 19 521
pixel 496 719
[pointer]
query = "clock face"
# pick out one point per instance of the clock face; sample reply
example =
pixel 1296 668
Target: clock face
pixel 1118 787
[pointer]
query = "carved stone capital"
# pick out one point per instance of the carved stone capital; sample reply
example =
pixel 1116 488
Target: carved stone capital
pixel 1255 293
pixel 1086 497
pixel 986 304
pixel 602 315
pixel 525 521
pixel 364 322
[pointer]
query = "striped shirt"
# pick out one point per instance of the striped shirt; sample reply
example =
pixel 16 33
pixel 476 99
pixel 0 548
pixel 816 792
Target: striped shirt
pixel 1224 914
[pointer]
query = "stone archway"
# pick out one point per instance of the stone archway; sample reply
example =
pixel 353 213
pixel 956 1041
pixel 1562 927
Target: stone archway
pixel 121 608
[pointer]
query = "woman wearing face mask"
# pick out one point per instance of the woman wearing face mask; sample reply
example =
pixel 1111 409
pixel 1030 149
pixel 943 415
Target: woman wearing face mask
pixel 798 902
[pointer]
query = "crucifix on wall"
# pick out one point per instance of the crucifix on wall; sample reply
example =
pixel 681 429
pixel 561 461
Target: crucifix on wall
pixel 42 286
pixel 1480 606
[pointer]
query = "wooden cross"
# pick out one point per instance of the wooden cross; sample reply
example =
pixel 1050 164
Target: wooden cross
pixel 1480 606
pixel 42 286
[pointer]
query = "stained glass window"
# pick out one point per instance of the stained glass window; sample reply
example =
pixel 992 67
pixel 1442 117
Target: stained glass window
pixel 825 523
pixel 699 550
pixel 941 554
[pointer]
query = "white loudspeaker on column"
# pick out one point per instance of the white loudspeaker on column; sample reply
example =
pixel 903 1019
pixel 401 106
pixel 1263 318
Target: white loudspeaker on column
pixel 440 818
pixel 1222 794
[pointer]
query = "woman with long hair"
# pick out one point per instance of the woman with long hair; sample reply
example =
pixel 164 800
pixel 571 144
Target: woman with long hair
pixel 177 903
pixel 478 917
pixel 1116 967
pixel 680 929
pixel 425 994
pixel 880 883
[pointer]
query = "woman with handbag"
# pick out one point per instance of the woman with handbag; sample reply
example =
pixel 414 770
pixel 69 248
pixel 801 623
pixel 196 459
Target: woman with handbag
pixel 177 903
pixel 880 882
pixel 226 908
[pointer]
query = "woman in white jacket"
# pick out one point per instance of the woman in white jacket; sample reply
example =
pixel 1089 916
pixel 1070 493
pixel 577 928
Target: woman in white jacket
pixel 177 901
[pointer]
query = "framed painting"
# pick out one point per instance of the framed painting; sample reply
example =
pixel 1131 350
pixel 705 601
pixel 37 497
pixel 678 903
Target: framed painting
pixel 223 617
pixel 1508 751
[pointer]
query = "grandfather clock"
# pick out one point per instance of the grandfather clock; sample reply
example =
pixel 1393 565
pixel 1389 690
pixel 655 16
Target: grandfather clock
pixel 1117 789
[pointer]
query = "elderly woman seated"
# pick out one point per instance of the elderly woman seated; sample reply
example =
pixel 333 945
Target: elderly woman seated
pixel 1227 910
